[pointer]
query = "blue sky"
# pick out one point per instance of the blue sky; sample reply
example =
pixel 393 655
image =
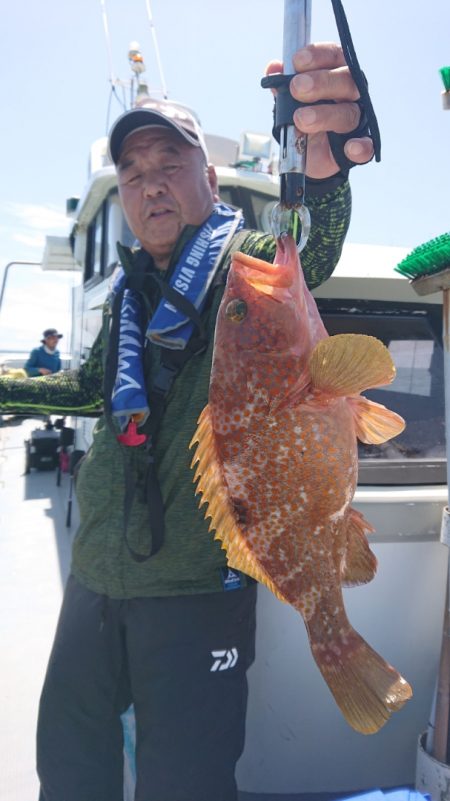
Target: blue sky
pixel 55 92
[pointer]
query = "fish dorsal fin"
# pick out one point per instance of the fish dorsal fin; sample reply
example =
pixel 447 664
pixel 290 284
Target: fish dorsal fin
pixel 212 486
pixel 360 564
pixel 346 364
pixel 374 423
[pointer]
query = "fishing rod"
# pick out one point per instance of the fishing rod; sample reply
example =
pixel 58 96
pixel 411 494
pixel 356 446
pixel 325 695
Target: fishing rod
pixel 291 213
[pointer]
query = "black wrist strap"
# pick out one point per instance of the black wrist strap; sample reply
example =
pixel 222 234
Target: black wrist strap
pixel 368 125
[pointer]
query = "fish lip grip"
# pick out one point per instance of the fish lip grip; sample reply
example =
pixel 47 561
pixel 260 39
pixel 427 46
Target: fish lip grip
pixel 286 105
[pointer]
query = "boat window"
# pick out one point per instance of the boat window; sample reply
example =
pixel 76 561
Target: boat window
pixel 108 227
pixel 116 230
pixel 93 265
pixel 239 197
pixel 255 205
pixel 414 338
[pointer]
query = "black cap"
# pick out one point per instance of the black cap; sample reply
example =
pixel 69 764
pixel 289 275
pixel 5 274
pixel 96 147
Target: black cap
pixel 50 332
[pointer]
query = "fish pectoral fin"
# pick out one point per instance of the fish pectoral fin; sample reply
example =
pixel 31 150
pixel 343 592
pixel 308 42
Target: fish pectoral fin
pixel 346 364
pixel 374 423
pixel 359 564
pixel 365 687
pixel 214 492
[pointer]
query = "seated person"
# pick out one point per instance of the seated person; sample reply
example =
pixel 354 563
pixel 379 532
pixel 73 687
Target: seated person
pixel 45 359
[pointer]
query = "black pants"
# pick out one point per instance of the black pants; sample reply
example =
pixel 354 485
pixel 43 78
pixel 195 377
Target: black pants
pixel 181 660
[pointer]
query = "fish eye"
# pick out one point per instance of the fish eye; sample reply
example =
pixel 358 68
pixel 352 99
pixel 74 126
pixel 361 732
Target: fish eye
pixel 236 310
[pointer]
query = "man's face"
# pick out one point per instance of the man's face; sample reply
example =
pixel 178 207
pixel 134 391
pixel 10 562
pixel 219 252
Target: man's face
pixel 163 186
pixel 51 342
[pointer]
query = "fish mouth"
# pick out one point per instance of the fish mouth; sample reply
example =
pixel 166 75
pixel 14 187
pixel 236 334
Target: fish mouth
pixel 269 279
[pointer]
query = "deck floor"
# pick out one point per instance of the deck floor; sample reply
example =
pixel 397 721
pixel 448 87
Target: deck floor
pixel 34 562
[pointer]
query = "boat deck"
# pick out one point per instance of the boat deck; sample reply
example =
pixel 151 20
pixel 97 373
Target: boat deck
pixel 34 562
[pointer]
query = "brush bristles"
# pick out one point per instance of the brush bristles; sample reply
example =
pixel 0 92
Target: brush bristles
pixel 445 75
pixel 427 259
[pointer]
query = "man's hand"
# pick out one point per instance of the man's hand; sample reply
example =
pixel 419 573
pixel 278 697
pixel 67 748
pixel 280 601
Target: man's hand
pixel 324 75
pixel 44 371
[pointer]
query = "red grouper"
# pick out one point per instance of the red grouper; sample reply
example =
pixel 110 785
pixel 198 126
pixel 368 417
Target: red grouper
pixel 276 461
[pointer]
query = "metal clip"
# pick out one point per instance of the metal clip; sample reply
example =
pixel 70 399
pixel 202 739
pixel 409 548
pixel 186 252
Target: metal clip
pixel 294 221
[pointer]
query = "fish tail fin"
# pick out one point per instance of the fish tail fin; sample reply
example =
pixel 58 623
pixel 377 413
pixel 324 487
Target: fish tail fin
pixel 366 688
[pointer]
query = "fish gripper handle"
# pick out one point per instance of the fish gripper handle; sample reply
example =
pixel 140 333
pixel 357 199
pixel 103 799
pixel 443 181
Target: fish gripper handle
pixel 285 104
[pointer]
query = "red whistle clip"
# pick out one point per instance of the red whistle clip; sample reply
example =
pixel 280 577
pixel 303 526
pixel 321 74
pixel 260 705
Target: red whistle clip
pixel 131 437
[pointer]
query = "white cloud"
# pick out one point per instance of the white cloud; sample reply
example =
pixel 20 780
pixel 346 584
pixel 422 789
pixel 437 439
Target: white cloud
pixel 41 217
pixel 30 240
pixel 23 227
pixel 22 319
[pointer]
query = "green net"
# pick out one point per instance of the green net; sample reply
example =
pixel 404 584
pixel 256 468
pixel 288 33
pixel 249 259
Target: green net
pixel 70 392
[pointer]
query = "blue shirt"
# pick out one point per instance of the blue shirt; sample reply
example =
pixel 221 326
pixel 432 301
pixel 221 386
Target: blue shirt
pixel 40 358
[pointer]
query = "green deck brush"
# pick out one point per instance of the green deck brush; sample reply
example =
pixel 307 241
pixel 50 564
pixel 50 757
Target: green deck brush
pixel 428 259
pixel 445 75
pixel 433 257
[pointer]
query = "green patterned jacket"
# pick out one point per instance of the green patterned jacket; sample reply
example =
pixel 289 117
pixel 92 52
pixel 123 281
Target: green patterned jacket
pixel 189 560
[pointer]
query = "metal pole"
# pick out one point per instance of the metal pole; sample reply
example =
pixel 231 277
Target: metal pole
pixel 6 270
pixel 112 76
pixel 441 723
pixel 296 29
pixel 440 735
pixel 155 45
pixel 296 35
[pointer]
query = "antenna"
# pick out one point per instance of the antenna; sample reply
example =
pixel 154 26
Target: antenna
pixel 155 45
pixel 112 76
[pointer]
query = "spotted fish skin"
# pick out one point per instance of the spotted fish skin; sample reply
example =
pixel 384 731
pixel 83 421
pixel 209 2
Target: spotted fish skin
pixel 276 463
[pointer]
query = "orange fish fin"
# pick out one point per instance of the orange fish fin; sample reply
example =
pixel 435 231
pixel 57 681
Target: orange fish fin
pixel 359 564
pixel 365 687
pixel 373 422
pixel 211 484
pixel 346 364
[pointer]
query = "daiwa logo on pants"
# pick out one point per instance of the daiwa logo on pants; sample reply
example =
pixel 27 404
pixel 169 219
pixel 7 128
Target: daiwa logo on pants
pixel 224 660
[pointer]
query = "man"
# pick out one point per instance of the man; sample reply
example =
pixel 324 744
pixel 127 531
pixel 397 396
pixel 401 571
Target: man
pixel 150 600
pixel 45 359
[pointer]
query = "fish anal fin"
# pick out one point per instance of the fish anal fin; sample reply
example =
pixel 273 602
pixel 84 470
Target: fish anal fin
pixel 374 423
pixel 223 521
pixel 366 688
pixel 360 564
pixel 346 364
